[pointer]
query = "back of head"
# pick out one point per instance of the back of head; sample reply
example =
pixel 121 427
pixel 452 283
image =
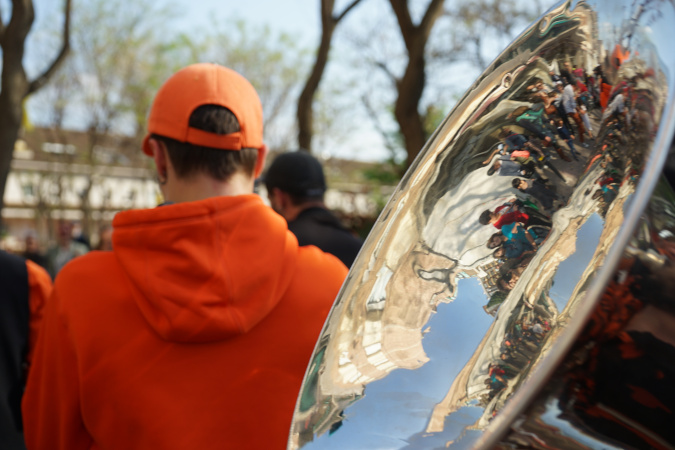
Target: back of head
pixel 485 217
pixel 210 119
pixel 494 241
pixel 297 173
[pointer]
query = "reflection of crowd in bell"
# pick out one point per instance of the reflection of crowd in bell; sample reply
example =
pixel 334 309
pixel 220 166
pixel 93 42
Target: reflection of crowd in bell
pixel 544 134
pixel 535 140
pixel 546 125
pixel 627 126
pixel 554 130
pixel 616 166
pixel 519 347
pixel 521 228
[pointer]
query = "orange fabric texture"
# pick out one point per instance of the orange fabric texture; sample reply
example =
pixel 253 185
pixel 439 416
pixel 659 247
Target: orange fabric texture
pixel 206 84
pixel 39 287
pixel 194 333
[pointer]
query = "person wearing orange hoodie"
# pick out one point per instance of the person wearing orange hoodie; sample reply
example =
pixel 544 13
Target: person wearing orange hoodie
pixel 24 289
pixel 195 331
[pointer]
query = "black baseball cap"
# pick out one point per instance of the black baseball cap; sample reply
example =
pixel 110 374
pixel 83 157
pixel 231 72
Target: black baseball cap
pixel 298 173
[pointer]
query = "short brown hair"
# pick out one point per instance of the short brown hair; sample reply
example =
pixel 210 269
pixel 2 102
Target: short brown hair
pixel 188 159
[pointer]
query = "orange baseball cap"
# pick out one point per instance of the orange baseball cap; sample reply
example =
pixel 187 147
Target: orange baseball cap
pixel 206 84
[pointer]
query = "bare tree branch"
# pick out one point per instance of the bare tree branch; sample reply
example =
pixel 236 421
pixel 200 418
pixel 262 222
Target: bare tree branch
pixel 411 85
pixel 409 30
pixel 44 77
pixel 304 111
pixel 346 10
pixel 430 16
pixel 382 65
pixel 478 47
pixel 405 22
pixel 386 137
pixel 327 12
pixel 2 24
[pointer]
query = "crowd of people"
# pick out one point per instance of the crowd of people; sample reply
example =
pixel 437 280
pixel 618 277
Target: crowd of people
pixel 520 346
pixel 555 124
pixel 521 229
pixel 541 132
pixel 70 243
pixel 551 130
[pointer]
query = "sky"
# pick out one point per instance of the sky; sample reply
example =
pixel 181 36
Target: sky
pixel 298 17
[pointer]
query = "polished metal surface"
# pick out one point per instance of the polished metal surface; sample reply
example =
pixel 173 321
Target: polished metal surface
pixel 452 333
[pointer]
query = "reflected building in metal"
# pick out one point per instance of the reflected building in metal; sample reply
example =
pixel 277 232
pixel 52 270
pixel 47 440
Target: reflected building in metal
pixel 516 290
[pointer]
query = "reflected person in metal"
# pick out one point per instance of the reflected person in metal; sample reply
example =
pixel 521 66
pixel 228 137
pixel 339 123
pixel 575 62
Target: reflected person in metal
pixel 481 314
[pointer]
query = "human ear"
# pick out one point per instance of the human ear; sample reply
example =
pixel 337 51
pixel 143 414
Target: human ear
pixel 160 157
pixel 260 162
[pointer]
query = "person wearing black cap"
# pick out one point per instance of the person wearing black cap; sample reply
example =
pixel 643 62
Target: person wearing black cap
pixel 295 186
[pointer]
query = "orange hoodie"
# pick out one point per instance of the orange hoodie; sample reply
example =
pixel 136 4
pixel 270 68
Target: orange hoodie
pixel 39 288
pixel 194 333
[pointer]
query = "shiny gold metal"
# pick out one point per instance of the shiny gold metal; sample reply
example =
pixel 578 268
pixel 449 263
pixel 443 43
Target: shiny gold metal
pixel 440 338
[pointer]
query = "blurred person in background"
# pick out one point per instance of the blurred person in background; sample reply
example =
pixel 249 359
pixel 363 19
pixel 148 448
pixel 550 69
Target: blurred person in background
pixel 24 289
pixel 296 186
pixel 105 238
pixel 32 250
pixel 65 249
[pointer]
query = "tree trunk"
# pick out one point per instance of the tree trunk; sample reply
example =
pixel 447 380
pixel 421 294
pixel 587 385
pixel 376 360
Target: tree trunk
pixel 411 86
pixel 14 83
pixel 406 109
pixel 305 112
pixel 9 131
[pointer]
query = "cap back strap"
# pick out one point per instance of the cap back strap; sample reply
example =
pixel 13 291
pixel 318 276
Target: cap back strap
pixel 231 141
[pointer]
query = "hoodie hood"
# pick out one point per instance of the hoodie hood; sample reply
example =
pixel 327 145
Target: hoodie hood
pixel 208 270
